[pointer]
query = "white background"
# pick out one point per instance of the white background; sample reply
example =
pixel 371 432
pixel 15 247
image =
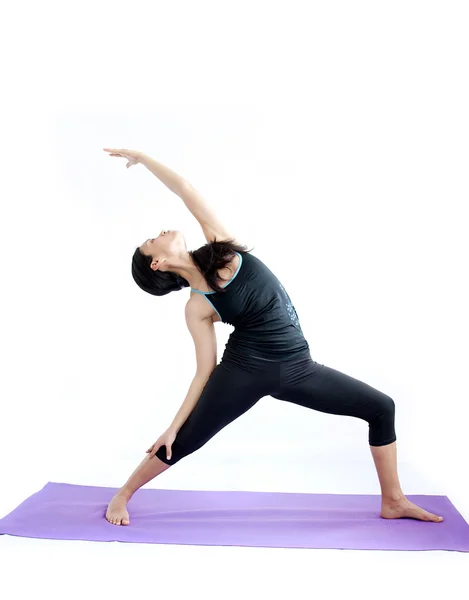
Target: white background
pixel 332 138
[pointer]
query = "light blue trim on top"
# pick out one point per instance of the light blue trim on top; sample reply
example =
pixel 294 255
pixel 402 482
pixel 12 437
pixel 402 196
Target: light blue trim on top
pixel 237 271
pixel 206 293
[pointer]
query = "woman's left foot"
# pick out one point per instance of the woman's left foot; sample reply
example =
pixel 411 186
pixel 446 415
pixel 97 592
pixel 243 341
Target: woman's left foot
pixel 117 511
pixel 403 508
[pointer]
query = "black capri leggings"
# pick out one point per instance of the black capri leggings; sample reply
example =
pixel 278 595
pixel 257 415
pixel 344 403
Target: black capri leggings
pixel 235 386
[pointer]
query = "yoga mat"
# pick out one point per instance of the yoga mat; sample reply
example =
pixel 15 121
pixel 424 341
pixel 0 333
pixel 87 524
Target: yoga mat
pixel 64 511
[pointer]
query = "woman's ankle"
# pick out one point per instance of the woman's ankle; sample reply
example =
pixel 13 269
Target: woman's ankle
pixel 125 493
pixel 390 496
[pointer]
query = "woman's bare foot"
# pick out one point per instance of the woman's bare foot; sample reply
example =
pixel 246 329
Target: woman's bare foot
pixel 117 510
pixel 403 508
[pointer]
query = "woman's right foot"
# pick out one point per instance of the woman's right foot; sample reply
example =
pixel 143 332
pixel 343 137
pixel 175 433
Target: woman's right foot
pixel 117 511
pixel 403 508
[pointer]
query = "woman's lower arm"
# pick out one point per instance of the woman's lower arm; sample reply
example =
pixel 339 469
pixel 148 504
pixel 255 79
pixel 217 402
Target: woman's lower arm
pixel 193 395
pixel 172 180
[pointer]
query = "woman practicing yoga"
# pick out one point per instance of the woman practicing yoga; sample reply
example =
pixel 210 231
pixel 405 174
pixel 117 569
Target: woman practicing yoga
pixel 266 354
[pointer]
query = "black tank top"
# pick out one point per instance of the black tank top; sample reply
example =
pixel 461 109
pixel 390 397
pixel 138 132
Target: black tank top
pixel 265 321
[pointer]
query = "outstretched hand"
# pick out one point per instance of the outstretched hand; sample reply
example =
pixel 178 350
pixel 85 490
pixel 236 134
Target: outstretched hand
pixel 166 439
pixel 132 156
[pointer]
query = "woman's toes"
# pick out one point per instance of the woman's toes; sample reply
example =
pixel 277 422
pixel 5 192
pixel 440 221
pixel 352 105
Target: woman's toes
pixel 424 515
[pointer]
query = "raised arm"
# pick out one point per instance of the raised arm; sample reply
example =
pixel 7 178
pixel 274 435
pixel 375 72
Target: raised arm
pixel 212 227
pixel 170 178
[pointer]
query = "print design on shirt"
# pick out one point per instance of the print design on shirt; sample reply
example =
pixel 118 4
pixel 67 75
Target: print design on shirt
pixel 291 309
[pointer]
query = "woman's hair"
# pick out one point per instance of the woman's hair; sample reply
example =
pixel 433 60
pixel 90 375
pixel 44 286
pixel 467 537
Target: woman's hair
pixel 208 258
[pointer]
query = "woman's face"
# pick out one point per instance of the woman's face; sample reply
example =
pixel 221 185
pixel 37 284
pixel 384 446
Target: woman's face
pixel 168 243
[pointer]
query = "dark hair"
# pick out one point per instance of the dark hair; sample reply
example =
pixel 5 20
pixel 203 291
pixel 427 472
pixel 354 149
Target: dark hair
pixel 209 258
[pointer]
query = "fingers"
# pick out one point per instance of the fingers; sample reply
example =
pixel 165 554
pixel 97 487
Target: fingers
pixel 154 449
pixel 130 155
pixel 156 446
pixel 113 151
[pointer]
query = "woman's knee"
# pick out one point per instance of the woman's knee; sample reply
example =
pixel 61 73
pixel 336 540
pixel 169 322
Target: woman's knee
pixel 382 408
pixel 388 407
pixel 382 412
pixel 381 422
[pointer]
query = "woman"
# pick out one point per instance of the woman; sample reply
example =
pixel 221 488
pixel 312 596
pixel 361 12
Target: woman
pixel 266 354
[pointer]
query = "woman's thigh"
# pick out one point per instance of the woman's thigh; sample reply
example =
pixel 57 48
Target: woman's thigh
pixel 229 392
pixel 328 390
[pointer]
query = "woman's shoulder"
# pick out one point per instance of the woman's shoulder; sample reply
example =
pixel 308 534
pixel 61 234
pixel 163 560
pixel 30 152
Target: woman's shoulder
pixel 198 307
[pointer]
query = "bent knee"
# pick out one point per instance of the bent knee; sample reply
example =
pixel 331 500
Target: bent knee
pixel 387 407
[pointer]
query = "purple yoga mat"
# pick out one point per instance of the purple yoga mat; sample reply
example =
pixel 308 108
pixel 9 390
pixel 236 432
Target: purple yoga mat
pixel 64 511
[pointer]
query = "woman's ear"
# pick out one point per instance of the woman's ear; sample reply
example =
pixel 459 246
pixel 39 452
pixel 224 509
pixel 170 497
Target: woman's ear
pixel 156 263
